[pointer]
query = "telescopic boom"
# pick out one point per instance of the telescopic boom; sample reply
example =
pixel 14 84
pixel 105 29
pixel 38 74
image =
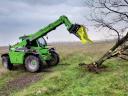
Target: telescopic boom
pixel 76 29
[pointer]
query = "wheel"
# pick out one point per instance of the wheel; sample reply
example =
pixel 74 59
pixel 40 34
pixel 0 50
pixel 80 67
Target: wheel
pixel 6 62
pixel 55 59
pixel 32 63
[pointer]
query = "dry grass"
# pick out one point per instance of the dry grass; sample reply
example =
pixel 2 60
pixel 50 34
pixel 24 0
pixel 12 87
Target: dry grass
pixel 98 48
pixel 68 78
pixel 3 49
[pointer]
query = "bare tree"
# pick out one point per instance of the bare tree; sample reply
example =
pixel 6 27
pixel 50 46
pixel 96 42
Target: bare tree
pixel 112 15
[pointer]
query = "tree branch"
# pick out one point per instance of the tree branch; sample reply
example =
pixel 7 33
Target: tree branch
pixel 126 1
pixel 122 13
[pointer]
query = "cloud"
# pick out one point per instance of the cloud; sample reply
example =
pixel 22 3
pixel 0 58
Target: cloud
pixel 41 2
pixel 19 17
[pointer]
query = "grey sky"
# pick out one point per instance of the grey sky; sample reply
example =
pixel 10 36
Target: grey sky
pixel 19 17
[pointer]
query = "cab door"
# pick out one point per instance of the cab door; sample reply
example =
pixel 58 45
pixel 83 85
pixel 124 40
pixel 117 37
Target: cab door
pixel 16 57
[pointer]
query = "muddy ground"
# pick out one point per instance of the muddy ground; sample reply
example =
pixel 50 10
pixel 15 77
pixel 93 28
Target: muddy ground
pixel 19 83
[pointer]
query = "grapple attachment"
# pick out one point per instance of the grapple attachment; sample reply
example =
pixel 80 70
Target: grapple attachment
pixel 81 32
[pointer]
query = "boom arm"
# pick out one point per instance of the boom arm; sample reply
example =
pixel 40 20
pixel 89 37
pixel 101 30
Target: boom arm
pixel 62 20
pixel 76 29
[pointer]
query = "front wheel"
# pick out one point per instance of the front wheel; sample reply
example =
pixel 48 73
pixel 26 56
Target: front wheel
pixel 32 63
pixel 6 62
pixel 54 60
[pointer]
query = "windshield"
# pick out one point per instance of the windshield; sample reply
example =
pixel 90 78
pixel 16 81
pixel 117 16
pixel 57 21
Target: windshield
pixel 42 42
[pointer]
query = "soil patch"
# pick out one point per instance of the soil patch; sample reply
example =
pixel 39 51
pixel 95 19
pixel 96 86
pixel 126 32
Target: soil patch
pixel 93 67
pixel 19 83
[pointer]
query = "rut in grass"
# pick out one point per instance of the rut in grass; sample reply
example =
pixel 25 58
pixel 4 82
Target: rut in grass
pixel 19 83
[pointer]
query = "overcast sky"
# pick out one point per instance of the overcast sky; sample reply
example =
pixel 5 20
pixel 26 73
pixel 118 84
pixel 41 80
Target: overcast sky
pixel 19 17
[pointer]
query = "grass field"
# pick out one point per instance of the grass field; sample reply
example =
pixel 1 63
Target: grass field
pixel 68 79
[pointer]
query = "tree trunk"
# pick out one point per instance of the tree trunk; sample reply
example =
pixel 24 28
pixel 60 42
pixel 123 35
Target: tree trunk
pixel 110 53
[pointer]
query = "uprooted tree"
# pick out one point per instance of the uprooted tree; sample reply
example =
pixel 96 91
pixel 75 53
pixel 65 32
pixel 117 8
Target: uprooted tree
pixel 111 15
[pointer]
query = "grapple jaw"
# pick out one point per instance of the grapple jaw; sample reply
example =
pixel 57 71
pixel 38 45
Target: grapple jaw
pixel 81 32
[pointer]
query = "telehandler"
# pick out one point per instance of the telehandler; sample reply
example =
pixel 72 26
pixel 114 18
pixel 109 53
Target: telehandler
pixel 32 50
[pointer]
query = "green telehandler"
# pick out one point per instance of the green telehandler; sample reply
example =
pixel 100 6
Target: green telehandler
pixel 32 50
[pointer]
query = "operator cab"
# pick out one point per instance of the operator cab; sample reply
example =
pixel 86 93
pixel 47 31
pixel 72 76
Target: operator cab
pixel 41 42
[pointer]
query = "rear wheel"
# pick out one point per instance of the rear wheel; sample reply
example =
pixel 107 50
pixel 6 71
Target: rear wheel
pixel 6 62
pixel 32 63
pixel 55 59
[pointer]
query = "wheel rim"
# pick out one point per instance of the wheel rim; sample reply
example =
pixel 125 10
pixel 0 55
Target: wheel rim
pixel 33 64
pixel 53 61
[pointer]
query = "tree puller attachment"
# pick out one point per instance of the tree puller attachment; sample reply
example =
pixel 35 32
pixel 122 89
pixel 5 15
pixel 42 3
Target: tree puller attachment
pixel 32 50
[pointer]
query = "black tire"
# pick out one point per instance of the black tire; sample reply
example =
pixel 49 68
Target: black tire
pixel 32 63
pixel 6 62
pixel 55 59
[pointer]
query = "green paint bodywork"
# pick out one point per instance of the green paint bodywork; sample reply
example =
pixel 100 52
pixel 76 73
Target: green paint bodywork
pixel 29 44
pixel 17 57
